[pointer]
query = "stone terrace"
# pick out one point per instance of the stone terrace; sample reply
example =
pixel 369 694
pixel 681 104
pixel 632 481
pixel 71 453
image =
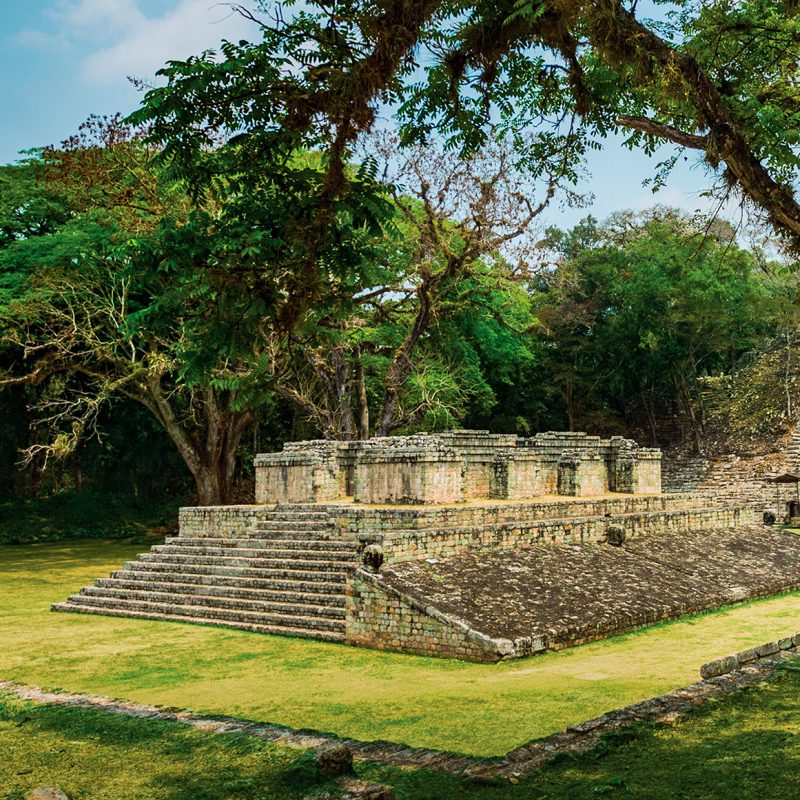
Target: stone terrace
pixel 556 596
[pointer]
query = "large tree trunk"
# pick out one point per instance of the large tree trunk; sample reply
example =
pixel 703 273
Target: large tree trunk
pixel 212 458
pixel 402 366
pixel 214 470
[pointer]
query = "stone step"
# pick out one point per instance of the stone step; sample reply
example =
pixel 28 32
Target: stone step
pixel 329 595
pixel 266 536
pixel 310 516
pixel 216 601
pixel 236 572
pixel 281 630
pixel 251 543
pixel 293 524
pixel 311 508
pixel 286 554
pixel 205 612
pixel 292 584
pixel 267 563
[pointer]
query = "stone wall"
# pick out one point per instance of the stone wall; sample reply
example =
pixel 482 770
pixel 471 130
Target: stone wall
pixel 407 475
pixel 305 472
pixel 351 520
pixel 457 465
pixel 732 480
pixel 379 616
pixel 649 471
pixel 372 522
pixel 404 545
pixel 228 521
pixel 769 650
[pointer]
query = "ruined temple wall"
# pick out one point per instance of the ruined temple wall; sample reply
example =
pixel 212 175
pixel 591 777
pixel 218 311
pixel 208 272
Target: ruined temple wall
pixel 407 477
pixel 423 468
pixel 530 476
pixel 482 455
pixel 305 472
pixel 732 479
pixel 649 471
pixel 405 545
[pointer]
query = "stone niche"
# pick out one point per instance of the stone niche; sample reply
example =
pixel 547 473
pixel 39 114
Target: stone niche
pixel 456 466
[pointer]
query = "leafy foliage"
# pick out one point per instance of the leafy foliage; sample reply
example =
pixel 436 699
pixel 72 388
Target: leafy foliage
pixel 637 311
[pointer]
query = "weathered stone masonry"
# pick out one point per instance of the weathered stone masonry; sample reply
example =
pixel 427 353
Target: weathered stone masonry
pixel 323 552
pixel 455 466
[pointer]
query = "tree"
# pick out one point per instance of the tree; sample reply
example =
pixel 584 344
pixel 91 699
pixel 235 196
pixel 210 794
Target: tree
pixel 645 311
pixel 132 294
pixel 555 76
pixel 371 358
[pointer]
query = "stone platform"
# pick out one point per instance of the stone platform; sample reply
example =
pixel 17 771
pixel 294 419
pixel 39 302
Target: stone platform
pixel 464 544
pixel 301 570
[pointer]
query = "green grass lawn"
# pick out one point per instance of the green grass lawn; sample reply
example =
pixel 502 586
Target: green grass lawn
pixel 744 746
pixel 472 708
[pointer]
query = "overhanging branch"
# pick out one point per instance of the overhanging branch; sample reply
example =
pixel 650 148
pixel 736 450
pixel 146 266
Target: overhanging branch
pixel 662 131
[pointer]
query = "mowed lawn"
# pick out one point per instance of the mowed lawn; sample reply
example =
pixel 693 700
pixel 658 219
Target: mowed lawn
pixel 743 746
pixel 471 708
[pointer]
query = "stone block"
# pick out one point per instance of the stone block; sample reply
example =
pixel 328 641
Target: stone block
pixel 767 649
pixel 746 656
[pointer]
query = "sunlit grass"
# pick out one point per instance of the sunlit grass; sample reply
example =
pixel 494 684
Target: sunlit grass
pixel 742 746
pixel 475 708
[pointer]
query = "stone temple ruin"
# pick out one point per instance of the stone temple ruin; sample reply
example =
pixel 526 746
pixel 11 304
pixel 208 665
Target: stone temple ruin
pixel 463 544
pixel 455 466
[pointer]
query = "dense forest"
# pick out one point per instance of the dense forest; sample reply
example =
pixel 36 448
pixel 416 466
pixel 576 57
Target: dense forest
pixel 245 259
pixel 124 372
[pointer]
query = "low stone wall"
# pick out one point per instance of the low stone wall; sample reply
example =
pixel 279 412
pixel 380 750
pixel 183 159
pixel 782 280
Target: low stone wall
pixel 379 616
pixel 352 519
pixel 407 545
pixel 582 737
pixel 745 658
pixel 227 521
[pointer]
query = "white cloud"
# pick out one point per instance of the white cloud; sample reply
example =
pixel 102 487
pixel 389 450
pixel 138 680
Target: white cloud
pixel 87 17
pixel 119 39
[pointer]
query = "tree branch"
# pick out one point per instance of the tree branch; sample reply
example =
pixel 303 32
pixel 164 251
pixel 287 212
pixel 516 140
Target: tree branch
pixel 662 131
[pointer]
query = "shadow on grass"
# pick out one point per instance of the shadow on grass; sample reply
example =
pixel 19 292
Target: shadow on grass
pixel 744 746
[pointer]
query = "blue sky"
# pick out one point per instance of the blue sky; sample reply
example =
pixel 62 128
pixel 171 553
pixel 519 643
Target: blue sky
pixel 61 60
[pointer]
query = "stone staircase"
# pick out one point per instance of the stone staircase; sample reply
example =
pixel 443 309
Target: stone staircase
pixel 286 574
pixel 793 451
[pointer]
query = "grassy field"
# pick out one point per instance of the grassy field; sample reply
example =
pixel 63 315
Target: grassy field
pixel 744 746
pixel 472 708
